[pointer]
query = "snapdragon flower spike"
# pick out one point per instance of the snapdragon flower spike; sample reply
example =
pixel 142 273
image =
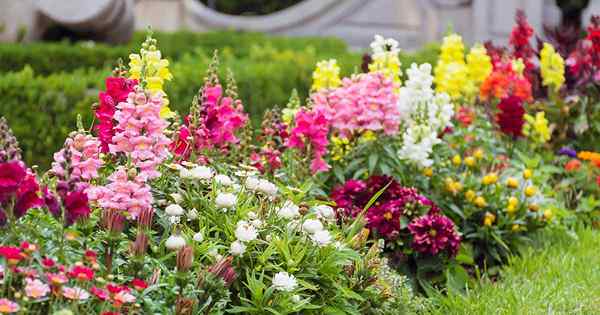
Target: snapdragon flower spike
pixel 310 131
pixel 84 158
pixel 117 90
pixel 19 189
pixel 140 132
pixel 9 147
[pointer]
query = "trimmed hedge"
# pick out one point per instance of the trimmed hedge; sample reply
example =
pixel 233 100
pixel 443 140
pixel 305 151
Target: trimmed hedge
pixel 42 109
pixel 47 58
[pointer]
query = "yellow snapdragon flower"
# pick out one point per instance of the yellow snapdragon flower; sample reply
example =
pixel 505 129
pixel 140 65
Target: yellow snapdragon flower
pixel 537 128
pixel 385 58
pixel 479 64
pixel 552 67
pixel 151 71
pixel 326 75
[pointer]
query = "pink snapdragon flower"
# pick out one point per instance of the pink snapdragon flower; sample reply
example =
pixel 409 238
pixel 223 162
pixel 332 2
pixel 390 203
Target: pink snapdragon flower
pixel 310 131
pixel 363 102
pixel 117 90
pixel 85 159
pixel 123 193
pixel 140 132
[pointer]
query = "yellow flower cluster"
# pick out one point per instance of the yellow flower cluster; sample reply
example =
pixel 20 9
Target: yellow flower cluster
pixel 340 148
pixel 537 127
pixel 552 67
pixel 453 186
pixel 388 64
pixel 457 77
pixel 152 71
pixel 326 75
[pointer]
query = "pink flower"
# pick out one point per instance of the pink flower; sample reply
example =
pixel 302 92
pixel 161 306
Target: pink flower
pixel 123 297
pixel 11 176
pixel 75 293
pixel 57 279
pixel 36 289
pixel 84 157
pixel 7 306
pixel 311 131
pixel 101 294
pixel 434 233
pixel 363 102
pixel 117 90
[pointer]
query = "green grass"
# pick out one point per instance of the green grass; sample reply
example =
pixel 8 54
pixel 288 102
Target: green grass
pixel 560 276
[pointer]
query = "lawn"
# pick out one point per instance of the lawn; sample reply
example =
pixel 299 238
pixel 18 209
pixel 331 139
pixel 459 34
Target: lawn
pixel 560 276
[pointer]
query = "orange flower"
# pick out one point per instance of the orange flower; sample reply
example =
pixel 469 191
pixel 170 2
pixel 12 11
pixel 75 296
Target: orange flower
pixel 503 82
pixel 589 156
pixel 572 165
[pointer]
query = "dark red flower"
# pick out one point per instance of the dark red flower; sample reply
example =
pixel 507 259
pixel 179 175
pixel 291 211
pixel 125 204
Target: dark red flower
pixel 139 284
pixel 48 262
pixel 598 180
pixel 434 233
pixel 27 196
pixel 51 202
pixel 76 206
pixel 81 273
pixel 11 175
pixel 510 118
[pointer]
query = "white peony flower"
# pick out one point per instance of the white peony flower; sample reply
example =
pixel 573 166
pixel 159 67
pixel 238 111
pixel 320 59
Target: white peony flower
pixel 283 281
pixel 201 172
pixel 252 183
pixel 198 237
pixel 192 214
pixel 225 200
pixel 322 237
pixel 267 188
pixel 289 210
pixel 245 231
pixel 177 197
pixel 174 210
pixel 223 180
pixel 324 212
pixel 175 242
pixel 312 226
pixel 237 248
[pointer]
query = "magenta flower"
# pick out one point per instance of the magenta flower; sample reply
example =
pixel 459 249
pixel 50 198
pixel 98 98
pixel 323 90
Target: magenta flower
pixel 434 233
pixel 11 175
pixel 117 90
pixel 311 131
pixel 76 206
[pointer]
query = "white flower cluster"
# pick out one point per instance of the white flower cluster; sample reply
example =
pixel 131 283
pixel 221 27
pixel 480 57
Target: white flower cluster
pixel 382 46
pixel 261 185
pixel 424 113
pixel 245 232
pixel 283 281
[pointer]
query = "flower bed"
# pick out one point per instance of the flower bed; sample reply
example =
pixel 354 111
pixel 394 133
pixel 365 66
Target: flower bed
pixel 381 184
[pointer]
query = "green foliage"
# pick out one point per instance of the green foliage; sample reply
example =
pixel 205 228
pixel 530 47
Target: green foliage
pixel 251 7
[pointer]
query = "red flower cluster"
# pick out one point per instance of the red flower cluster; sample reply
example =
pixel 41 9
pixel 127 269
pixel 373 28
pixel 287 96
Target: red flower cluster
pixel 510 118
pixel 117 90
pixel 434 233
pixel 18 185
pixel 520 38
pixel 584 61
pixel 311 131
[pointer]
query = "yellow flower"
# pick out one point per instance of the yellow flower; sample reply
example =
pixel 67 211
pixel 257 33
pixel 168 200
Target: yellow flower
pixel 513 201
pixel 512 182
pixel 451 74
pixel 456 160
pixel 428 172
pixel 470 161
pixel 326 75
pixel 537 128
pixel 479 64
pixel 527 173
pixel 453 186
pixel 340 148
pixel 533 207
pixel 478 154
pixel 530 191
pixel 516 227
pixel 548 214
pixel 368 136
pixel 511 209
pixel 552 67
pixel 489 219
pixel 480 202
pixel 470 195
pixel 490 179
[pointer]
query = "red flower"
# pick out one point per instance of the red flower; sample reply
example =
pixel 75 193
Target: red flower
pixel 11 254
pixel 510 118
pixel 81 273
pixel 139 284
pixel 181 147
pixel 115 288
pixel 117 90
pixel 27 196
pixel 434 233
pixel 28 247
pixel 101 294
pixel 48 262
pixel 51 202
pixel 598 180
pixel 76 206
pixel 572 165
pixel 90 255
pixel 11 176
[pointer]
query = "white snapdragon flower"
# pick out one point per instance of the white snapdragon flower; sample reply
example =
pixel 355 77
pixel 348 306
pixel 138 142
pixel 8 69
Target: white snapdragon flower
pixel 198 237
pixel 324 211
pixel 201 172
pixel 289 210
pixel 322 237
pixel 174 210
pixel 245 231
pixel 225 200
pixel 175 242
pixel 174 220
pixel 381 46
pixel 224 180
pixel 283 281
pixel 312 226
pixel 237 248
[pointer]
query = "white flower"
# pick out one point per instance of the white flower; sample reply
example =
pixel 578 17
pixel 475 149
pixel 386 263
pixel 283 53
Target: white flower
pixel 252 215
pixel 192 214
pixel 293 225
pixel 225 200
pixel 223 180
pixel 175 242
pixel 289 210
pixel 198 237
pixel 245 231
pixel 214 252
pixel 174 210
pixel 252 183
pixel 257 223
pixel 381 46
pixel 174 220
pixel 312 226
pixel 267 187
pixel 185 173
pixel 295 298
pixel 324 211
pixel 237 248
pixel 322 238
pixel 201 172
pixel 283 281
pixel 177 197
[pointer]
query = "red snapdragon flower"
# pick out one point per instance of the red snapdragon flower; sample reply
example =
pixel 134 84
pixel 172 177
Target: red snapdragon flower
pixel 510 118
pixel 11 175
pixel 117 90
pixel 76 206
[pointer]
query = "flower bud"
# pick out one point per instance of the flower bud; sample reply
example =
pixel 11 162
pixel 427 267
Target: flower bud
pixel 185 258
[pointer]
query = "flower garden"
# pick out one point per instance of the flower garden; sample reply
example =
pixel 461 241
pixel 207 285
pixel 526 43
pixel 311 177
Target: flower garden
pixel 381 187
